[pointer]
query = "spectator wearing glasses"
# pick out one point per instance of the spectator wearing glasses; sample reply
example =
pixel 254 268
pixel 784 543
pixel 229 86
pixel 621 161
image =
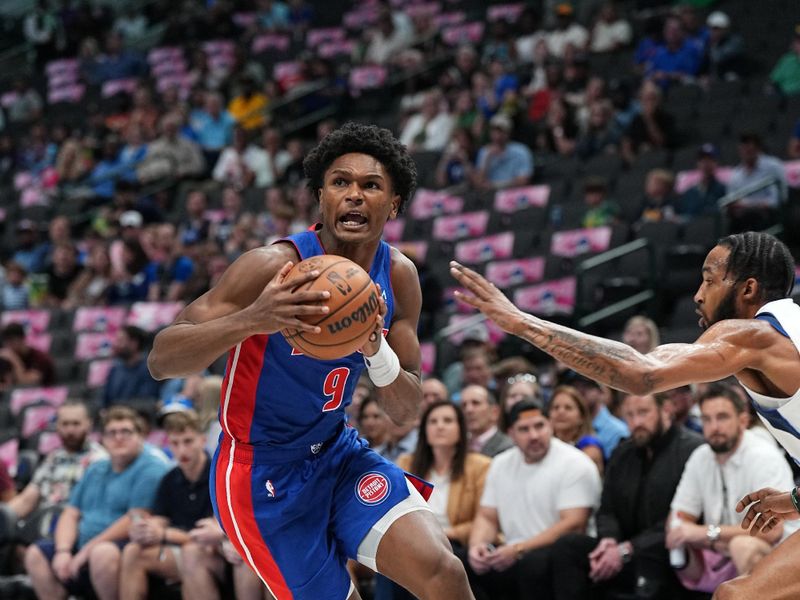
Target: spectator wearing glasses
pixel 84 556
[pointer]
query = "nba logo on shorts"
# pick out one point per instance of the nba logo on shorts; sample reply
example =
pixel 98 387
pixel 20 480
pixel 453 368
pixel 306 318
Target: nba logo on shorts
pixel 372 489
pixel 270 488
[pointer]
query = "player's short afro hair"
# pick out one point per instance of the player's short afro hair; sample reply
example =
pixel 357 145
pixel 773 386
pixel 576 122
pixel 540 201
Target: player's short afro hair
pixel 364 139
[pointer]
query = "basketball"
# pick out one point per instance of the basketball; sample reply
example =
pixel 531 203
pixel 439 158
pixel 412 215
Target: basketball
pixel 353 305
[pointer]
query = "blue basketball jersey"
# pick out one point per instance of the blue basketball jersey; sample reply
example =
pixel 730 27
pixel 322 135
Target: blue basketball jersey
pixel 276 398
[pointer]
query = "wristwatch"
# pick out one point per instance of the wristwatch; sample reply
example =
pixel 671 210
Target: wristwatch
pixel 625 552
pixel 712 534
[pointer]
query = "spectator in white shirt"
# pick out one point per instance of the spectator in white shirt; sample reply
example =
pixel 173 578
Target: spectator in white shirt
pixel 759 209
pixel 716 476
pixel 567 32
pixel 610 32
pixel 430 128
pixel 535 492
pixel 241 165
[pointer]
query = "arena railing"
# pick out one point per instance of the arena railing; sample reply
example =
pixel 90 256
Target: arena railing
pixel 583 317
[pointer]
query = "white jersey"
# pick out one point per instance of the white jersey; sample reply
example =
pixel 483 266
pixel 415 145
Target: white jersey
pixel 781 415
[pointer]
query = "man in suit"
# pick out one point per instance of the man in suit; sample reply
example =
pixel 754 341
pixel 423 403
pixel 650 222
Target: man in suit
pixel 482 411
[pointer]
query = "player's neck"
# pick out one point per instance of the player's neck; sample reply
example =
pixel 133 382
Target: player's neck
pixel 361 253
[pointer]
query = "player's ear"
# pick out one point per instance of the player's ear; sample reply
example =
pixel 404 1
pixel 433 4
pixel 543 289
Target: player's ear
pixel 395 206
pixel 751 291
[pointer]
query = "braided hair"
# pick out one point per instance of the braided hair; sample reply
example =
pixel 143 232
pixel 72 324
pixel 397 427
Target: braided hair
pixel 764 258
pixel 373 141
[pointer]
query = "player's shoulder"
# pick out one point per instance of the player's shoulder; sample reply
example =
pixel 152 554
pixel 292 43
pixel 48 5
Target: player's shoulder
pixel 401 263
pixel 745 333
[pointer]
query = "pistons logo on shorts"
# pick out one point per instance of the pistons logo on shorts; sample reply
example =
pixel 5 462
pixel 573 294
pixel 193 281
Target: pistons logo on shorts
pixel 372 489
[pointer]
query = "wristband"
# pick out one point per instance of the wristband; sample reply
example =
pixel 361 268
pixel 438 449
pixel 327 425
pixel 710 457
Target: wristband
pixel 383 366
pixel 795 499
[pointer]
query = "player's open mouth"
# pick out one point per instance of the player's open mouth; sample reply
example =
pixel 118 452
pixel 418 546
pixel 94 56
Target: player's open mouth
pixel 353 220
pixel 702 320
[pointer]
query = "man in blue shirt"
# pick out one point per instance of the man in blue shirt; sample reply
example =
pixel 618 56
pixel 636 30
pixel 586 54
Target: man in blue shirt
pixel 213 127
pixel 701 199
pixel 86 547
pixel 129 377
pixel 503 163
pixel 677 60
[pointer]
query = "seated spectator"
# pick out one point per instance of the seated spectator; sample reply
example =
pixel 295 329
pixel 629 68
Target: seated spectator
pixel 373 424
pixel 433 390
pixel 482 414
pixel 456 164
pixel 610 32
pixel 386 40
pixel 62 273
pixel 213 127
pixel 115 63
pixel 701 199
pixel 725 52
pixel 657 204
pixel 105 172
pixel 529 34
pixel 652 128
pixel 609 429
pixel 652 40
pixel 181 501
pixel 61 469
pixel 503 163
pixel 600 211
pixel 25 103
pixel 241 165
pixel 170 269
pixel 441 457
pixel 195 219
pixel 536 492
pixel 682 406
pixel 74 158
pixel 677 60
pixel 430 128
pixel 641 334
pixel 794 142
pixel 145 114
pixel 130 285
pixel 16 288
pixel 640 480
pixel 129 377
pixel 132 152
pixel 760 209
pixel 601 134
pixel 273 165
pixel 91 286
pixel 567 32
pixel 84 556
pixel 705 523
pixel 171 155
pixel 559 129
pixel 30 254
pixel 786 74
pixel 696 32
pixel 519 387
pixel 400 439
pixel 293 174
pixel 31 365
pixel 569 417
pixel 248 107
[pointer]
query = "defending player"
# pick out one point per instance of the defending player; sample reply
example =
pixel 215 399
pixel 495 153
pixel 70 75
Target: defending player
pixel 295 489
pixel 752 331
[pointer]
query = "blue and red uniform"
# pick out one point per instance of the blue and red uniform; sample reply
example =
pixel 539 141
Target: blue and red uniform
pixel 293 487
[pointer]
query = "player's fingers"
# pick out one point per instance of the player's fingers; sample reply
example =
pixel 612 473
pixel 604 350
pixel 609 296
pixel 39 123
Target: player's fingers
pixel 284 271
pixel 466 298
pixel 309 309
pixel 747 501
pixel 289 323
pixel 748 518
pixel 301 279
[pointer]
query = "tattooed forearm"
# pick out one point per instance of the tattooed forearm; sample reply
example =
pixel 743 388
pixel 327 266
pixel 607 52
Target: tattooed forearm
pixel 609 362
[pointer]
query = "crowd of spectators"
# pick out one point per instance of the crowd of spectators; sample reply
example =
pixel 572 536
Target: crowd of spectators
pixel 180 159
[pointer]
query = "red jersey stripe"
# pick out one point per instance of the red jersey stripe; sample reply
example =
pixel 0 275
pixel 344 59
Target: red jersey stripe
pixel 240 386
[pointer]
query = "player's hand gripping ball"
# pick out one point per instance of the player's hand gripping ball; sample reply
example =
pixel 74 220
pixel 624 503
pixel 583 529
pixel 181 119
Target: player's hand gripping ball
pixel 353 303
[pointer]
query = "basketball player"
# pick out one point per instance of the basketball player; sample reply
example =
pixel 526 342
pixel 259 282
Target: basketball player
pixel 752 331
pixel 296 491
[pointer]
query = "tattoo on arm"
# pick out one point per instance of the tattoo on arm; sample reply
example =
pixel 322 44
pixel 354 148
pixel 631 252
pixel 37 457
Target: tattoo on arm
pixel 609 362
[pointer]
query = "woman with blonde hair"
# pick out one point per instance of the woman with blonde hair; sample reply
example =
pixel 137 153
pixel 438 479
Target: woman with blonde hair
pixel 641 334
pixel 571 422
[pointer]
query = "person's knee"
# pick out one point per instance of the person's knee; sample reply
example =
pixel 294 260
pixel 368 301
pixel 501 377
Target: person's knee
pixel 35 561
pixel 131 554
pixel 192 559
pixel 104 558
pixel 447 565
pixel 746 551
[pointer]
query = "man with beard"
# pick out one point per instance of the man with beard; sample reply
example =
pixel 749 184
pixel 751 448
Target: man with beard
pixel 752 332
pixel 129 377
pixel 535 492
pixel 59 472
pixel 720 472
pixel 640 479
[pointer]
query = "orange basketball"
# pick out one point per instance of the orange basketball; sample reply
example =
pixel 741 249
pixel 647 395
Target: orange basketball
pixel 353 305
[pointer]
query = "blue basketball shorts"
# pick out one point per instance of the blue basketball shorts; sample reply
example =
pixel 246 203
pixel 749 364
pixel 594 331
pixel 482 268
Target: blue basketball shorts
pixel 296 522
